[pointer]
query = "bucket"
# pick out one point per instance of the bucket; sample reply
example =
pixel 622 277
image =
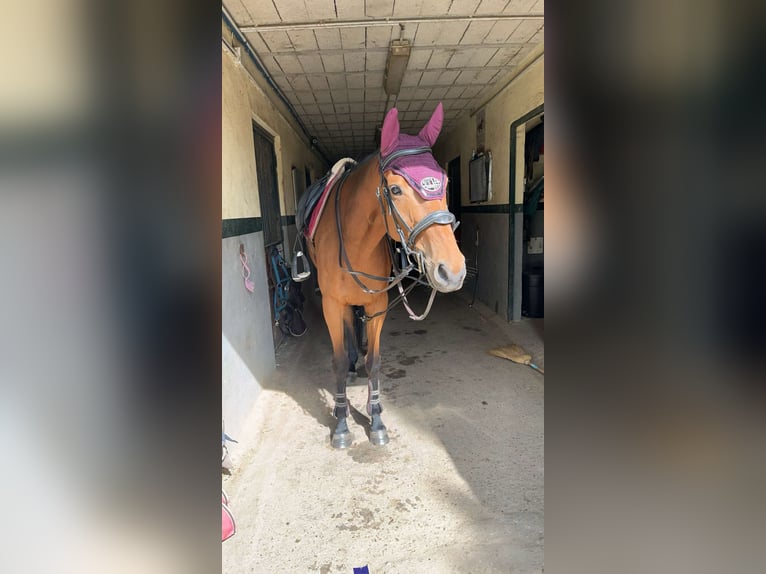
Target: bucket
pixel 532 293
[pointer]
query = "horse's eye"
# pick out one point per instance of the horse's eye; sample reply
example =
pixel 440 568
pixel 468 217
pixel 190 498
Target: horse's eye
pixel 396 190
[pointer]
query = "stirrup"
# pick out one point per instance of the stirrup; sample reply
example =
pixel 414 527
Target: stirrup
pixel 300 268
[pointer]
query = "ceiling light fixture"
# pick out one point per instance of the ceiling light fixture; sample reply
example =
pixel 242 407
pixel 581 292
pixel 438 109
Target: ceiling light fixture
pixel 396 65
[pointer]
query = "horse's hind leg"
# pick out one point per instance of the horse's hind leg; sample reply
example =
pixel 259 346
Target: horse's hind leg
pixel 334 315
pixel 355 337
pixel 353 353
pixel 378 432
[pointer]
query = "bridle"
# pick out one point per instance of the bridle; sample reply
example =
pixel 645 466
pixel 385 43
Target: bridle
pixel 414 258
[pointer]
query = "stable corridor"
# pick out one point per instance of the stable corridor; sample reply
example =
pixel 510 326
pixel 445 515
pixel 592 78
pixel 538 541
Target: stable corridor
pixel 459 488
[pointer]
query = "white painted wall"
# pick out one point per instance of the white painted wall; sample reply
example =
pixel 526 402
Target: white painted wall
pixel 247 344
pixel 244 101
pixel 523 94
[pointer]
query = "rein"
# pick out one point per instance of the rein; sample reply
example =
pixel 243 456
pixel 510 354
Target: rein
pixel 414 257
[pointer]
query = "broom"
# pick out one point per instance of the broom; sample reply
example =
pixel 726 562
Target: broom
pixel 516 354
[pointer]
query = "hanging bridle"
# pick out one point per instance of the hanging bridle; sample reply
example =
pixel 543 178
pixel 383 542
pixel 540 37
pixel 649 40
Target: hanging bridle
pixel 413 257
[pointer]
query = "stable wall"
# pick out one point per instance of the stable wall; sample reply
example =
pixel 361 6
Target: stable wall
pixel 247 98
pixel 247 339
pixel 493 218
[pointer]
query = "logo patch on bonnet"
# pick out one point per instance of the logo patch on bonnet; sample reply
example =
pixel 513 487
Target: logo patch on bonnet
pixel 430 184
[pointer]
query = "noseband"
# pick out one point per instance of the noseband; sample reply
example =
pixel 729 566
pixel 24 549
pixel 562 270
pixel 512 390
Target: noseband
pixel 414 258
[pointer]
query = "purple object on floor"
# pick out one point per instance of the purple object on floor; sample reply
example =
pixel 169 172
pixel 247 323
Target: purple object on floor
pixel 362 570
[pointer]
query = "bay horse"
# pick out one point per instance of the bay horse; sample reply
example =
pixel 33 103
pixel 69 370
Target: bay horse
pixel 397 193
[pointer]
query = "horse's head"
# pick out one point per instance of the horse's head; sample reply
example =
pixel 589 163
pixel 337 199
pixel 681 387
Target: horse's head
pixel 415 190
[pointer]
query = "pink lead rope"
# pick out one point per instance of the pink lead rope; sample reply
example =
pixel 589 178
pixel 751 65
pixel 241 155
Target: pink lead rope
pixel 249 285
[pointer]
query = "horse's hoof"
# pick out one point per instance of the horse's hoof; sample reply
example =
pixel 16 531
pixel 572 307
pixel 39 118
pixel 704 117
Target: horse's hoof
pixel 379 437
pixel 342 440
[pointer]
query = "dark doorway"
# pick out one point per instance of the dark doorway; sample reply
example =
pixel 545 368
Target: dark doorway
pixel 532 262
pixel 453 195
pixel 268 189
pixel 516 244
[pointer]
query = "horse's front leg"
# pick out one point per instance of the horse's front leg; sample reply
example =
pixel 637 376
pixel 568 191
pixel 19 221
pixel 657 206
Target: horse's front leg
pixel 378 432
pixel 341 436
pixel 334 314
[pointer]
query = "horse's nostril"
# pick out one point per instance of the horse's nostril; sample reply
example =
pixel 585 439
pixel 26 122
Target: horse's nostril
pixel 442 273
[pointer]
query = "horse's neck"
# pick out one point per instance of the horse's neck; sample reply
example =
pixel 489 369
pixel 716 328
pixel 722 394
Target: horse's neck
pixel 366 227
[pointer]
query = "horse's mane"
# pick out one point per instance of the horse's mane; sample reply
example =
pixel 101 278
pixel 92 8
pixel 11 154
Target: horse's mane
pixel 364 160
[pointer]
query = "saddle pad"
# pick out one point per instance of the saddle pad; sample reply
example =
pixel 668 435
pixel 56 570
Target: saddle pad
pixel 308 201
pixel 314 213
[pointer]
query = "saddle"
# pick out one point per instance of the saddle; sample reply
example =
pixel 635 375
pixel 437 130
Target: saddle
pixel 311 204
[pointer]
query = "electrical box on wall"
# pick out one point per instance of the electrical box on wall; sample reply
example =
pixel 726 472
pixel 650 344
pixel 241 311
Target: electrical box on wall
pixel 480 178
pixel 535 245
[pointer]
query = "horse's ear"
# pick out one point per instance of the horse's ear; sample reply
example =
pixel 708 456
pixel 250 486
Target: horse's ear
pixel 431 130
pixel 389 133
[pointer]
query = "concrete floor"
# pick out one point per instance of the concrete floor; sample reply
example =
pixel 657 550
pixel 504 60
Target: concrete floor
pixel 459 489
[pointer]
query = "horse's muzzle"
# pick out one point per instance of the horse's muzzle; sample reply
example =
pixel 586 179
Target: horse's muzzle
pixel 444 280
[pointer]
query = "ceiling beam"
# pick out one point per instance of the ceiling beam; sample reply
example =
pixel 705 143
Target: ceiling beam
pixel 384 49
pixel 421 70
pixel 386 22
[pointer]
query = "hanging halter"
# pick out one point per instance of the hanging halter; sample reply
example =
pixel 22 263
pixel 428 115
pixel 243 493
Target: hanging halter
pixel 413 257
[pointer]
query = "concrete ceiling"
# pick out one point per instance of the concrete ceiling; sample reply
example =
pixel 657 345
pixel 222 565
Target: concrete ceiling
pixel 328 57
